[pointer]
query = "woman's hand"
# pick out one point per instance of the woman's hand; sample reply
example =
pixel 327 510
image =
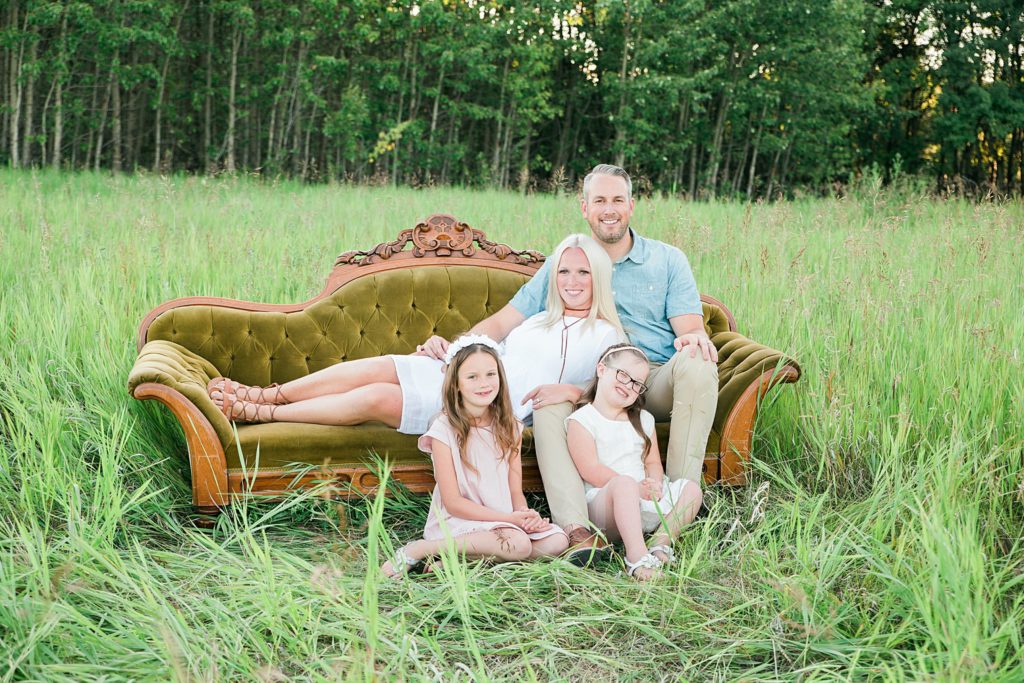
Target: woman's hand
pixel 435 348
pixel 530 521
pixel 552 394
pixel 651 489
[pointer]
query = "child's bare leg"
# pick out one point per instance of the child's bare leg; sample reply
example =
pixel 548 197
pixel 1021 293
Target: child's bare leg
pixel 549 546
pixel 617 509
pixel 339 378
pixel 685 510
pixel 504 544
pixel 376 402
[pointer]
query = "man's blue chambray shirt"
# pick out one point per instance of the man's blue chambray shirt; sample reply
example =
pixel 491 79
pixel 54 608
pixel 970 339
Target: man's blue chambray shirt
pixel 651 284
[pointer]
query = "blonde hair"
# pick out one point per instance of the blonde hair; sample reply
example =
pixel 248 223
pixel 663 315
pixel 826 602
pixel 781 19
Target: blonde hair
pixel 634 409
pixel 602 304
pixel 503 418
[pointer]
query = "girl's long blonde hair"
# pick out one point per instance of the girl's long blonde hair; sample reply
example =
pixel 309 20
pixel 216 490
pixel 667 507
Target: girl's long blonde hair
pixel 504 425
pixel 602 304
pixel 633 411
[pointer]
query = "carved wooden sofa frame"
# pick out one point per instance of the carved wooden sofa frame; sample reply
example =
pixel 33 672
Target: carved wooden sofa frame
pixel 173 368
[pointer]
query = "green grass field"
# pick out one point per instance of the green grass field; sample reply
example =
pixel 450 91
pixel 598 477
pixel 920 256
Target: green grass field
pixel 880 538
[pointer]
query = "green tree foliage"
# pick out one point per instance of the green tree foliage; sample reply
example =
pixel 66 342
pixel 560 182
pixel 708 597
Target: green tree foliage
pixel 739 98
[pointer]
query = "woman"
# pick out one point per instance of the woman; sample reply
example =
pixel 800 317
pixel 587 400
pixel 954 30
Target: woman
pixel 559 346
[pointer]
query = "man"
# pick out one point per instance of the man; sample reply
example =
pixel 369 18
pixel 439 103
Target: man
pixel 658 302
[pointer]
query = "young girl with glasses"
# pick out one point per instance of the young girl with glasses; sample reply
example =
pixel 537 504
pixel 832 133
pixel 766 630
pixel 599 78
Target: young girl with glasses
pixel 478 503
pixel 612 442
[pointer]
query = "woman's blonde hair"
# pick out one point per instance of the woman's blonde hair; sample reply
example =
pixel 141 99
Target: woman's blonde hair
pixel 503 419
pixel 602 304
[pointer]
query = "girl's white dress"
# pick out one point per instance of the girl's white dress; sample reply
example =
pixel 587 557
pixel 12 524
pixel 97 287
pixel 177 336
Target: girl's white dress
pixel 532 355
pixel 620 448
pixel 488 486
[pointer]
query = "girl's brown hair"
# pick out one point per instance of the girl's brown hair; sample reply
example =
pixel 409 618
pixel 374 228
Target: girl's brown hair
pixel 632 411
pixel 503 419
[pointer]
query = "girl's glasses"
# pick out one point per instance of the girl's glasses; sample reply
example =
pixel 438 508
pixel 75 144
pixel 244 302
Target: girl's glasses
pixel 625 379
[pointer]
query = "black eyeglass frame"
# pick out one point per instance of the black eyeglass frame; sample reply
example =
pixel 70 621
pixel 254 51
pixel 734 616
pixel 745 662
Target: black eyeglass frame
pixel 639 387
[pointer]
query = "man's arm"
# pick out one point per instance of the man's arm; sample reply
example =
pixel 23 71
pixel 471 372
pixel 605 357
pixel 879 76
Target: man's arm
pixel 689 331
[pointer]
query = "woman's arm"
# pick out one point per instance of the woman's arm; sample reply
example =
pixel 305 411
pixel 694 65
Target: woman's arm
pixel 454 502
pixel 583 450
pixel 553 394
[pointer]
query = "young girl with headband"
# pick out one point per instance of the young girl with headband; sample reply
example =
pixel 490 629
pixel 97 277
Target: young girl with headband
pixel 478 503
pixel 613 445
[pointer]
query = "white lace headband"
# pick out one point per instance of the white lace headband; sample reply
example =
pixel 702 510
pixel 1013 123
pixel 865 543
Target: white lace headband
pixel 616 349
pixel 468 340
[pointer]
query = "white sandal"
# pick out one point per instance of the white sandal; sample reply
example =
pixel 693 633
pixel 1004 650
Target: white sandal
pixel 401 563
pixel 648 561
pixel 666 549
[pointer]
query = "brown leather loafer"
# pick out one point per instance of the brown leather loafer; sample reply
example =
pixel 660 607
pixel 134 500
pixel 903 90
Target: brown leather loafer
pixel 586 548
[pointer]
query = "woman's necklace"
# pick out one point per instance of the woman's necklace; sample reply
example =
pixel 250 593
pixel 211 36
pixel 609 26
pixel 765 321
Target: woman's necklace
pixel 565 335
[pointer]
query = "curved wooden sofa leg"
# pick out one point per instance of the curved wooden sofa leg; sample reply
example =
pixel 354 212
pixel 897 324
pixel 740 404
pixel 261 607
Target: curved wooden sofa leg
pixel 205 454
pixel 738 432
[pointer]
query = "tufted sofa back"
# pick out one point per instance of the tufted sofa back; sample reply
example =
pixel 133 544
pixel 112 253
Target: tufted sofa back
pixel 380 313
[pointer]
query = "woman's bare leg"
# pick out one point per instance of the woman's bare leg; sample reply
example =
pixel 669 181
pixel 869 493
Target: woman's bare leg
pixel 339 378
pixel 504 544
pixel 380 402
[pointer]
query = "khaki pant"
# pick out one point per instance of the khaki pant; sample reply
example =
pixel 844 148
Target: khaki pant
pixel 684 390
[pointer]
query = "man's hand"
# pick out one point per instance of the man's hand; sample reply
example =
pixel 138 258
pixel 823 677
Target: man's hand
pixel 650 489
pixel 435 347
pixel 530 521
pixel 552 394
pixel 697 342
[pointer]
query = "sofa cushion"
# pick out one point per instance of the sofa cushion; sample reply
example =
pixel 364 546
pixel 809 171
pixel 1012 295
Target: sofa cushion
pixel 282 444
pixel 387 312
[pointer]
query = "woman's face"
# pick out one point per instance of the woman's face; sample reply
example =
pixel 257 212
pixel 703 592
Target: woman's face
pixel 573 279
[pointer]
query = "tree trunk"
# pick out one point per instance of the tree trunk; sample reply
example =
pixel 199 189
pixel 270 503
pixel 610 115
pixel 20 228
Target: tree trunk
pixel 208 99
pixel 757 148
pixel 236 42
pixel 58 109
pixel 524 170
pixel 103 120
pixel 115 87
pixel 498 139
pixel 558 169
pixel 433 118
pixel 15 97
pixel 693 170
pixel 273 125
pixel 30 89
pixel 620 126
pixel 157 124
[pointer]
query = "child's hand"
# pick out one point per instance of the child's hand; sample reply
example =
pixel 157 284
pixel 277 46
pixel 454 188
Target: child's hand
pixel 530 521
pixel 650 489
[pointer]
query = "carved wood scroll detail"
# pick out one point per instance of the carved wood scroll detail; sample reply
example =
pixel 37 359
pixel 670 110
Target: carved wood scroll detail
pixel 440 235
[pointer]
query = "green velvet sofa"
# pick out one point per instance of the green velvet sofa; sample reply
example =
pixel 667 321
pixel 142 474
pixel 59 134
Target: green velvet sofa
pixel 439 277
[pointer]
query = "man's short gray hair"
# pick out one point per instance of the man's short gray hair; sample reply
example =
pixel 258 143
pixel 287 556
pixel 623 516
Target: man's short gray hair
pixel 607 169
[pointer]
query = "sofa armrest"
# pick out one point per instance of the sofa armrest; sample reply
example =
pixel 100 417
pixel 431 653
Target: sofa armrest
pixel 746 371
pixel 174 366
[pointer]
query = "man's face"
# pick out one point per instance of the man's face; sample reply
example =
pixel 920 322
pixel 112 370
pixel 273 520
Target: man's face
pixel 608 208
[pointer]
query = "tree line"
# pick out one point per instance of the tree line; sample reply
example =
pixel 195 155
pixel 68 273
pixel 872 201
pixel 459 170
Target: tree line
pixel 733 98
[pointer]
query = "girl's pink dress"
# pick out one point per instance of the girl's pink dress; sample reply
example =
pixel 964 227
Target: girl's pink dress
pixel 488 486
